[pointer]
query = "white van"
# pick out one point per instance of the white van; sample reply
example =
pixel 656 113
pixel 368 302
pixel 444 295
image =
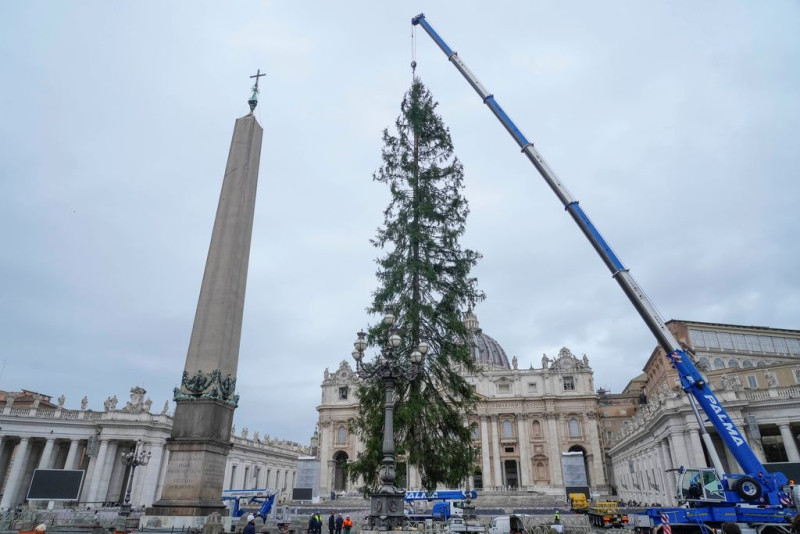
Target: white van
pixel 506 524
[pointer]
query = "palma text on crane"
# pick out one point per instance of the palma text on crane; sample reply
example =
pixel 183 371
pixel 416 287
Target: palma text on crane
pixel 725 420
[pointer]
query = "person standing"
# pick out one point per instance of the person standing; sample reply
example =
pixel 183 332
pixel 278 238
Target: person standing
pixel 315 524
pixel 331 523
pixel 348 524
pixel 339 523
pixel 250 527
pixel 557 518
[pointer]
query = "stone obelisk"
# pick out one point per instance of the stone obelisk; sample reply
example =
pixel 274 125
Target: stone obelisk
pixel 205 401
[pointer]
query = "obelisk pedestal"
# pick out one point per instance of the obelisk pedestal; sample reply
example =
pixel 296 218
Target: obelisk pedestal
pixel 201 430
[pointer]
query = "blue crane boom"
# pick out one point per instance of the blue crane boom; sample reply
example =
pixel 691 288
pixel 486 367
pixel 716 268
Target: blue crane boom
pixel 442 495
pixel 758 484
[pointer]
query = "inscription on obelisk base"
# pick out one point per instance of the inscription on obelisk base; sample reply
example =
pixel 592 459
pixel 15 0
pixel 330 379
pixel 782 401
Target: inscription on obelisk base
pixel 198 451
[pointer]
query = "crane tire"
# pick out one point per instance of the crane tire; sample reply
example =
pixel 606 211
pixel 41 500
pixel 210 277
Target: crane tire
pixel 747 488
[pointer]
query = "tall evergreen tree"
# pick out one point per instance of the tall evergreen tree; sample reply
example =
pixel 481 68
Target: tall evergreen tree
pixel 425 276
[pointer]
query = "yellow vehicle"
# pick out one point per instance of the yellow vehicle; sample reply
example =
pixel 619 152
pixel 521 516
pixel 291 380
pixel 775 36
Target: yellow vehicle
pixel 578 503
pixel 606 514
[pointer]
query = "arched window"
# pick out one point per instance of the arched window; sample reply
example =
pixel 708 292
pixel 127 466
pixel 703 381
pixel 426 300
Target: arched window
pixel 718 363
pixel 761 363
pixel 747 363
pixel 341 435
pixel 733 363
pixel 508 430
pixel 537 428
pixel 702 362
pixel 574 428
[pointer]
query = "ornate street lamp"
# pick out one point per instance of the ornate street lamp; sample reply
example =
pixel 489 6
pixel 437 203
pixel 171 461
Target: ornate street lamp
pixel 387 503
pixel 133 458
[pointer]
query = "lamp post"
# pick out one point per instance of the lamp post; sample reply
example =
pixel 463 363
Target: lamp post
pixel 386 512
pixel 133 458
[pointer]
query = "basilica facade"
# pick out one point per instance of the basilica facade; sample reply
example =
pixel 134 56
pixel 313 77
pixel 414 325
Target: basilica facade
pixel 525 421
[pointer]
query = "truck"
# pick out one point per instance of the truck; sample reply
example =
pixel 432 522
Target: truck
pixel 510 524
pixel 578 502
pixel 461 525
pixel 606 514
pixel 451 504
pixel 756 499
pixel 445 510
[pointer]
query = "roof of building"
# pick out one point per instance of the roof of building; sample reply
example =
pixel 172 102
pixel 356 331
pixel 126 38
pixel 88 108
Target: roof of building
pixel 734 326
pixel 485 350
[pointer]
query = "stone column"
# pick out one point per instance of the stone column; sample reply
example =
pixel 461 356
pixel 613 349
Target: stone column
pixel 486 466
pixel 14 481
pixel 733 463
pixel 161 474
pixel 325 455
pixel 678 446
pixel 757 447
pixel 498 472
pixel 97 471
pixel 331 476
pixel 145 491
pixel 668 482
pixel 201 429
pixel 637 473
pixel 554 445
pixel 698 458
pixel 644 465
pixel 417 479
pixel 524 456
pixel 788 443
pixel 6 449
pixel 46 460
pixel 598 477
pixel 72 455
pixel 654 471
pixel 108 471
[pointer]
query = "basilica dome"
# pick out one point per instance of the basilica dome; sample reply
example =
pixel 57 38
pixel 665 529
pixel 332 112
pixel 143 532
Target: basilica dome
pixel 485 350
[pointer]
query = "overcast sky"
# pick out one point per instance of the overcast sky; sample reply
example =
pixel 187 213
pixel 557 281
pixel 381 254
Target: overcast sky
pixel 674 123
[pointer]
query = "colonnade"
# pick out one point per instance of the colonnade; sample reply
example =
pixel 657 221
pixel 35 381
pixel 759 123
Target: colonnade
pixel 252 474
pixel 105 472
pixel 641 467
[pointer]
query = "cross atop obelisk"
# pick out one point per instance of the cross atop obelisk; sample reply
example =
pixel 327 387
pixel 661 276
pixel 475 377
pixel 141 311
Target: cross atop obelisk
pixel 254 98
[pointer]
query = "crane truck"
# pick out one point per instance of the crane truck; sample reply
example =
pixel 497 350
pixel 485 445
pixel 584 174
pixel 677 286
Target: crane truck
pixel 450 503
pixel 756 499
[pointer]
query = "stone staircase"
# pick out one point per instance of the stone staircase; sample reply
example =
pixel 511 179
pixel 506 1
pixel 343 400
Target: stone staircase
pixel 487 503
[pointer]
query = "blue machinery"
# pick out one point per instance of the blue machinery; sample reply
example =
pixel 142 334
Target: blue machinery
pixel 264 498
pixel 753 497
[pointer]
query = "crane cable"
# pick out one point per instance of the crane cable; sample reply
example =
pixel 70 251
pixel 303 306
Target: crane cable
pixel 413 51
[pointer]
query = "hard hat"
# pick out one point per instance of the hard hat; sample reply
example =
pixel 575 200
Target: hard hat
pixel 251 517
